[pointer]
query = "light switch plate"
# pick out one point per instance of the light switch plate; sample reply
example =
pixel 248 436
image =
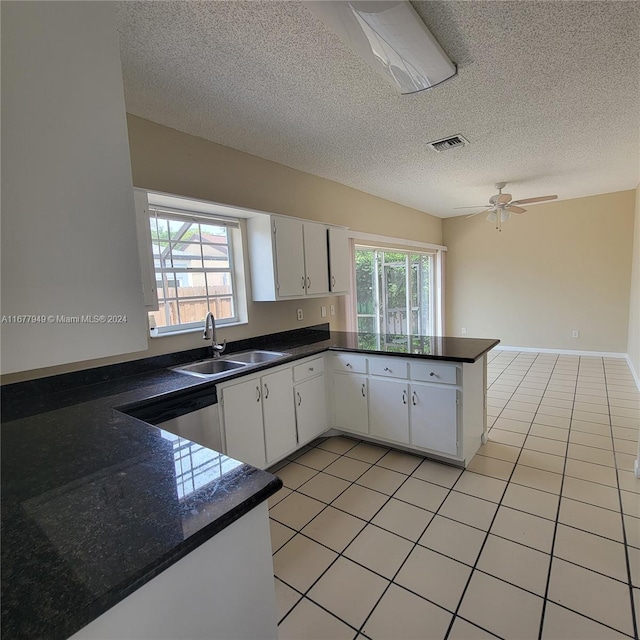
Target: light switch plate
pixel 333 309
pixel 323 310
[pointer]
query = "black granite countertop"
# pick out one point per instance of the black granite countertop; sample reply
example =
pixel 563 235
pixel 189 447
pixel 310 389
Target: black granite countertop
pixel 93 502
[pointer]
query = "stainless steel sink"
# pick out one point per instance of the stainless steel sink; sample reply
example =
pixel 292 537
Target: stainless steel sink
pixel 214 367
pixel 255 357
pixel 210 368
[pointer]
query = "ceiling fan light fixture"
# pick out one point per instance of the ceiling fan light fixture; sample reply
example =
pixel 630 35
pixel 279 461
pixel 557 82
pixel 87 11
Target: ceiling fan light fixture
pixel 391 37
pixel 492 217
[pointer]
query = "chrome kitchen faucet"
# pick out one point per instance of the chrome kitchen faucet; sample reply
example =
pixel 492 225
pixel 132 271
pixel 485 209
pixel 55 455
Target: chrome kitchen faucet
pixel 210 333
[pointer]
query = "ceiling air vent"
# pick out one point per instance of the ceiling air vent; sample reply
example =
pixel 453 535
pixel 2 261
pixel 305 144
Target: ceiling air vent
pixel 448 143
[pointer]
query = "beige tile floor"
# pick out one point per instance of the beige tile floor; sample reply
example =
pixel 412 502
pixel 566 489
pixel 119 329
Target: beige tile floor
pixel 539 538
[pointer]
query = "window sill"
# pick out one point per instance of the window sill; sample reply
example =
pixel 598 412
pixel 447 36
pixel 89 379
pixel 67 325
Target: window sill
pixel 180 332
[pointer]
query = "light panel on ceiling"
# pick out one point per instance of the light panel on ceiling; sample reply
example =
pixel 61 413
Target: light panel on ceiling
pixel 391 37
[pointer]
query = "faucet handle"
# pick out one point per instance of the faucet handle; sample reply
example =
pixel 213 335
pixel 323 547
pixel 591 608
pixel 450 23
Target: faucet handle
pixel 220 347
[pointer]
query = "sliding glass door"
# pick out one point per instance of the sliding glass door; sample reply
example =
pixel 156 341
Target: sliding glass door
pixel 394 291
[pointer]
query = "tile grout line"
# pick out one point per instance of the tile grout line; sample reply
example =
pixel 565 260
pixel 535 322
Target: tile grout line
pixel 340 554
pixel 416 543
pixel 600 622
pixel 555 526
pixel 474 567
pixel 484 542
pixel 636 631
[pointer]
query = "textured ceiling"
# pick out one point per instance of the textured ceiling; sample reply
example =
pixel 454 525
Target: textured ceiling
pixel 547 93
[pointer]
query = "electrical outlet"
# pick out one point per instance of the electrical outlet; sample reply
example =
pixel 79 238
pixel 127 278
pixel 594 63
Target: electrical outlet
pixel 332 308
pixel 575 333
pixel 300 316
pixel 463 331
pixel 323 310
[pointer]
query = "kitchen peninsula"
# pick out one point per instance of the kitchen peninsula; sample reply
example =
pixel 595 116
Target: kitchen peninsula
pixel 98 503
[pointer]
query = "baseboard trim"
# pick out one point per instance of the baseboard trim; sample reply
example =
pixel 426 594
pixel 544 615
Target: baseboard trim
pixel 634 373
pixel 569 352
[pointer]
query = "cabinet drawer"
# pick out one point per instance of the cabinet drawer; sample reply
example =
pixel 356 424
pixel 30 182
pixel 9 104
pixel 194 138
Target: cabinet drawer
pixel 349 363
pixel 308 369
pixel 435 372
pixel 389 367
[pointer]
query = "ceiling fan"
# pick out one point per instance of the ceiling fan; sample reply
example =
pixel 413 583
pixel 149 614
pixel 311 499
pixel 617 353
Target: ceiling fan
pixel 501 206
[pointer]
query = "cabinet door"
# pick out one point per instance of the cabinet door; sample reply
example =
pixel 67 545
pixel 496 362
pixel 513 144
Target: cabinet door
pixel 242 406
pixel 339 261
pixel 350 399
pixel 434 418
pixel 389 410
pixel 315 258
pixel 279 414
pixel 289 257
pixel 311 409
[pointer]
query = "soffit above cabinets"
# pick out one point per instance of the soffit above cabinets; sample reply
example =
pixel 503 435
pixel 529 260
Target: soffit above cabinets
pixel 547 94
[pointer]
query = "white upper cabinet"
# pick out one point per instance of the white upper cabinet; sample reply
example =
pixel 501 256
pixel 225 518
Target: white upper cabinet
pixel 339 260
pixel 316 258
pixel 289 258
pixel 288 244
pixel 69 246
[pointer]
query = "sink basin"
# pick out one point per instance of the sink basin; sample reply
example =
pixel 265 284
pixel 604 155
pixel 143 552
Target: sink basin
pixel 210 367
pixel 255 357
pixel 218 366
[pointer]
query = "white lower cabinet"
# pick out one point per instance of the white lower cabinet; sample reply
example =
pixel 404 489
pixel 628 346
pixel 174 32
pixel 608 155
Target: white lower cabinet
pixel 259 418
pixel 243 425
pixel 435 407
pixel 350 394
pixel 278 414
pixel 266 417
pixel 389 410
pixel 311 408
pixel 434 418
pixel 388 403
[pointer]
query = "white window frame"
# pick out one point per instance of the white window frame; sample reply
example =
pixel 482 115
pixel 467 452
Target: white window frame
pixel 188 219
pixel 194 211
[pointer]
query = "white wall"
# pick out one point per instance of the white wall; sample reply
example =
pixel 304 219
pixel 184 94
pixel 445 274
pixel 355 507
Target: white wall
pixel 68 226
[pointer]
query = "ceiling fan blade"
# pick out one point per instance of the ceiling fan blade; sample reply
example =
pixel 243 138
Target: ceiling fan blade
pixel 474 207
pixel 500 198
pixel 539 199
pixel 477 214
pixel 514 209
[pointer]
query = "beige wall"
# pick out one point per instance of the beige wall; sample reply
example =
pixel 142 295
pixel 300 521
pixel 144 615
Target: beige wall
pixel 164 159
pixel 633 349
pixel 167 160
pixel 561 266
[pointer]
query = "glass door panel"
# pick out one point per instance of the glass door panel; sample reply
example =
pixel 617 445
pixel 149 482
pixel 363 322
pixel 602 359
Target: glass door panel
pixel 393 292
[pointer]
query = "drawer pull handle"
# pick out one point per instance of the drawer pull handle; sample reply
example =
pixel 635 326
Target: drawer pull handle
pixel 432 374
pixel 387 369
pixel 333 282
pixel 404 397
pixel 299 398
pixel 347 364
pixel 257 394
pixel 266 391
pixel 363 385
pixel 302 280
pixel 310 368
pixel 414 399
pixel 308 283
